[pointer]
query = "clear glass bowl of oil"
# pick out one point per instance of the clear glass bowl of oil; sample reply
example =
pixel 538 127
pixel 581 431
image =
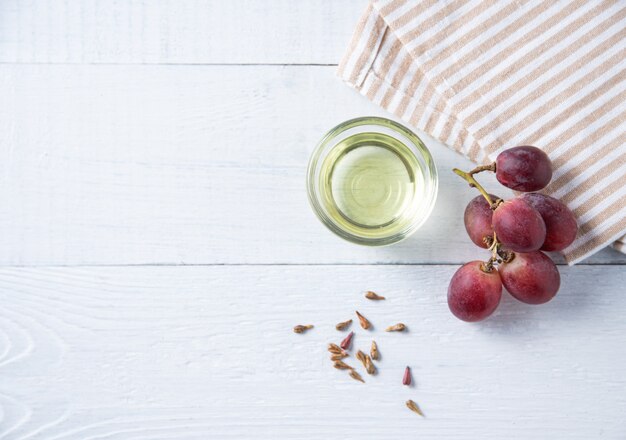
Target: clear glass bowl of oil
pixel 372 181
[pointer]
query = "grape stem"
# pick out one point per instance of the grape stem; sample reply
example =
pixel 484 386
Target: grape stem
pixel 479 169
pixel 498 254
pixel 487 266
pixel 469 177
pixel 495 248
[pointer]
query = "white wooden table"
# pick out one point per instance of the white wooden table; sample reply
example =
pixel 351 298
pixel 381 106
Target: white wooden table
pixel 157 247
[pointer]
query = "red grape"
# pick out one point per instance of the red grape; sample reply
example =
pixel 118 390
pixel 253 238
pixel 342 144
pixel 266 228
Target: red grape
pixel 561 227
pixel 474 294
pixel 523 168
pixel 519 226
pixel 478 220
pixel 531 278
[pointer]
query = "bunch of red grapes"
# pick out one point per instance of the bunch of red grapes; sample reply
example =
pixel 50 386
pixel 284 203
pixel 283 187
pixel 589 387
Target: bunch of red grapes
pixel 515 231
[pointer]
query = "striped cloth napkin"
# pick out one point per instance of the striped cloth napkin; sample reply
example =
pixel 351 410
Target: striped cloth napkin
pixel 483 76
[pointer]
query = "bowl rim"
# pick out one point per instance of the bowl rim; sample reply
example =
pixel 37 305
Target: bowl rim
pixel 418 144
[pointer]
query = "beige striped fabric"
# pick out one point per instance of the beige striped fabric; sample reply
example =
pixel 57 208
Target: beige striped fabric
pixel 486 75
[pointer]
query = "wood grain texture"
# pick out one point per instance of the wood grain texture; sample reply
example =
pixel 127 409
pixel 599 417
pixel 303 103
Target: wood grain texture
pixel 189 165
pixel 208 352
pixel 176 31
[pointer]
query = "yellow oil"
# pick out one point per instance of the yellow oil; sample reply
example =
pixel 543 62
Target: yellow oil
pixel 372 185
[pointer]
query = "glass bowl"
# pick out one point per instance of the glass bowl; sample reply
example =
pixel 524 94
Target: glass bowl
pixel 372 181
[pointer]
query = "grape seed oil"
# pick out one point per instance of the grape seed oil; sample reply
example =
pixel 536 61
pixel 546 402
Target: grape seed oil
pixel 372 183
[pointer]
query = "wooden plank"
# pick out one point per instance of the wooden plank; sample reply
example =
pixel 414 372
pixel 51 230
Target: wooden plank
pixel 208 352
pixel 188 165
pixel 176 31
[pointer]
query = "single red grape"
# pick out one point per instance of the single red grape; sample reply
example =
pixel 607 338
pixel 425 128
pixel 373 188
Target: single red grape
pixel 478 220
pixel 561 227
pixel 523 168
pixel 531 278
pixel 474 294
pixel 519 226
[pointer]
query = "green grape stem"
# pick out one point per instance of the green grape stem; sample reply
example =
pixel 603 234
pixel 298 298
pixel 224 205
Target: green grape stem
pixel 498 255
pixel 469 177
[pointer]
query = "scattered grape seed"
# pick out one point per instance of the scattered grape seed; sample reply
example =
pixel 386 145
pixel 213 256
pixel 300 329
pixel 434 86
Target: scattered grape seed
pixel 345 344
pixel 335 349
pixel 360 356
pixel 413 407
pixel 302 328
pixel 366 361
pixel 396 328
pixel 373 296
pixel 369 365
pixel 356 376
pixel 343 325
pixel 338 357
pixel 374 351
pixel 406 379
pixel 341 365
pixel 363 321
pixel 338 352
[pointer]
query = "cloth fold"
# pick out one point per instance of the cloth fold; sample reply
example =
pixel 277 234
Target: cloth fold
pixel 483 76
